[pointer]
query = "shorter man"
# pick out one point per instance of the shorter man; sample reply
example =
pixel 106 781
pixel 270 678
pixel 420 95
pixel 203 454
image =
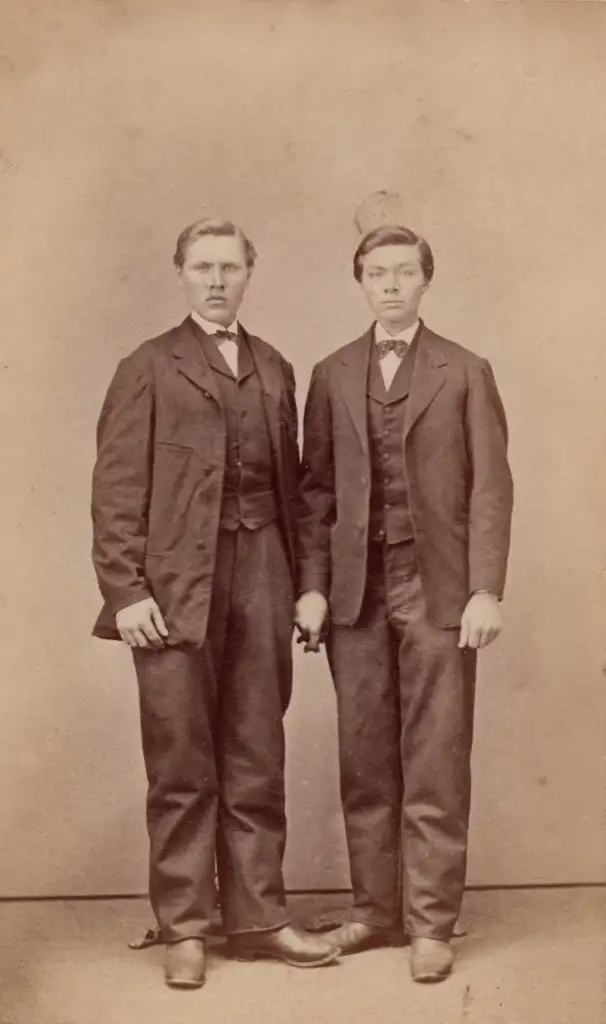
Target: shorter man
pixel 404 534
pixel 194 494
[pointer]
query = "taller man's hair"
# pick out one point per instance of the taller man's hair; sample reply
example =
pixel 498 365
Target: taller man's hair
pixel 212 226
pixel 393 235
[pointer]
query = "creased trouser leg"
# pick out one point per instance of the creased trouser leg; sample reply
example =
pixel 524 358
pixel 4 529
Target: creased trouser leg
pixel 255 691
pixel 213 743
pixel 405 701
pixel 176 694
pixel 363 665
pixel 437 684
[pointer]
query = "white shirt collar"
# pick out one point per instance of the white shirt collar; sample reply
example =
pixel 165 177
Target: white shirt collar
pixel 211 328
pixel 406 335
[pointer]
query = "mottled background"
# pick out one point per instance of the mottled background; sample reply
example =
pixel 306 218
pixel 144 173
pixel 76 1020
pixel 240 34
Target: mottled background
pixel 121 122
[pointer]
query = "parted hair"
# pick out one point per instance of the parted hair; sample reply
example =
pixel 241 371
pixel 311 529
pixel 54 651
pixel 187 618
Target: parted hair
pixel 212 226
pixel 393 235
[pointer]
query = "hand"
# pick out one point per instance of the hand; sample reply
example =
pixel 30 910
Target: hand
pixel 481 621
pixel 141 624
pixel 310 616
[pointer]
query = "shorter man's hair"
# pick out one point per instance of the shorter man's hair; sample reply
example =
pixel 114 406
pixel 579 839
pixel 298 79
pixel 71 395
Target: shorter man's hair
pixel 212 226
pixel 393 235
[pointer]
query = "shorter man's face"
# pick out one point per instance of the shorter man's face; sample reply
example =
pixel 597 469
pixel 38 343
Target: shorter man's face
pixel 394 283
pixel 214 277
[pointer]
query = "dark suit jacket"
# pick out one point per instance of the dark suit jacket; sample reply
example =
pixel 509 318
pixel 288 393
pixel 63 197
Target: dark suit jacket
pixel 455 459
pixel 158 479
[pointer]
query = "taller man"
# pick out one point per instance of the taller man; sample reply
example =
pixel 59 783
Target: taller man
pixel 194 497
pixel 407 499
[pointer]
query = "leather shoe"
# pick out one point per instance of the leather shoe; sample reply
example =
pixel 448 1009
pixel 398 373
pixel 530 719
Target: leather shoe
pixel 430 959
pixel 185 964
pixel 292 946
pixel 356 937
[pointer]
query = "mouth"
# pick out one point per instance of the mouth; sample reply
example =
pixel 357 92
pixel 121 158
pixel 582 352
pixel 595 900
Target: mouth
pixel 216 300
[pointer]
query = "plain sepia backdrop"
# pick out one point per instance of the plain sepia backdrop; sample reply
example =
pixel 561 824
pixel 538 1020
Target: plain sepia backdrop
pixel 122 122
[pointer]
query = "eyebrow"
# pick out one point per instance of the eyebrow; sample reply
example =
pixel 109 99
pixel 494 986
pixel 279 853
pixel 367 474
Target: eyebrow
pixel 404 263
pixel 216 263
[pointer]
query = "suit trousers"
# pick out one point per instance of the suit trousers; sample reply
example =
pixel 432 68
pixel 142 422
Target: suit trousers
pixel 405 695
pixel 213 744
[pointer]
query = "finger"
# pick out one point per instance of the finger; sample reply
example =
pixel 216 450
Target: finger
pixel 464 637
pixel 313 644
pixel 488 636
pixel 126 638
pixel 139 638
pixel 150 631
pixel 159 622
pixel 475 634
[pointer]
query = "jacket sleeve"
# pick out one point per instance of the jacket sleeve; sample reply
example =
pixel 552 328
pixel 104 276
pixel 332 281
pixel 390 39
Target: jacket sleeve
pixel 491 494
pixel 122 484
pixel 317 492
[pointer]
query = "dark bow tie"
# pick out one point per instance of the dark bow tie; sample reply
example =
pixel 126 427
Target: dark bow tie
pixel 397 345
pixel 223 335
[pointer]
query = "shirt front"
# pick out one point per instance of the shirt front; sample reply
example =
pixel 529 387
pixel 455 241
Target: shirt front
pixel 227 346
pixel 390 363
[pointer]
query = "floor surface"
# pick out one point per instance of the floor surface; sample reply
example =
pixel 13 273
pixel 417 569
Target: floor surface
pixel 531 957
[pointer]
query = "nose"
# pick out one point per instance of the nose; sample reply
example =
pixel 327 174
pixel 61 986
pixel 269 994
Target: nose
pixel 391 284
pixel 217 277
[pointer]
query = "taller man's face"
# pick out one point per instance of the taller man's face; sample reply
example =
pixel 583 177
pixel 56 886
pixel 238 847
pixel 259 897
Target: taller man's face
pixel 394 283
pixel 214 277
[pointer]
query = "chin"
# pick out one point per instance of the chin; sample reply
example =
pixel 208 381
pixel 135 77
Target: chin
pixel 217 316
pixel 394 317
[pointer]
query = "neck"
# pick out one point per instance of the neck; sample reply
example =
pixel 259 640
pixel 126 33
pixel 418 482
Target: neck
pixel 223 323
pixel 394 328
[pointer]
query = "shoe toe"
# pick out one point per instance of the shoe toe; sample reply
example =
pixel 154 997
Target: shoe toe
pixel 185 964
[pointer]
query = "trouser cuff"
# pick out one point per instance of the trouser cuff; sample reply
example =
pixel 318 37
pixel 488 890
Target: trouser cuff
pixel 255 929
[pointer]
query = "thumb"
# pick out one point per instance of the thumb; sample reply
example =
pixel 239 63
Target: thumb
pixel 313 642
pixel 464 634
pixel 159 622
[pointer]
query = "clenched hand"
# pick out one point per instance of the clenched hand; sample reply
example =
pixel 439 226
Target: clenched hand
pixel 142 624
pixel 481 621
pixel 310 616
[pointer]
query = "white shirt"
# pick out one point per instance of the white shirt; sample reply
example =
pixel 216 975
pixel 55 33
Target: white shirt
pixel 227 347
pixel 390 363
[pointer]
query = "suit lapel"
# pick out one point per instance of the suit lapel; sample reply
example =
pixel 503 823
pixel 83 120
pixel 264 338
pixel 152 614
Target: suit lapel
pixel 191 361
pixel 354 383
pixel 272 386
pixel 428 376
pixel 376 385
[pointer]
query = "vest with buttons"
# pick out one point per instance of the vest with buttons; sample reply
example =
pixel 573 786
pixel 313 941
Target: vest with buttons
pixel 248 487
pixel 390 518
